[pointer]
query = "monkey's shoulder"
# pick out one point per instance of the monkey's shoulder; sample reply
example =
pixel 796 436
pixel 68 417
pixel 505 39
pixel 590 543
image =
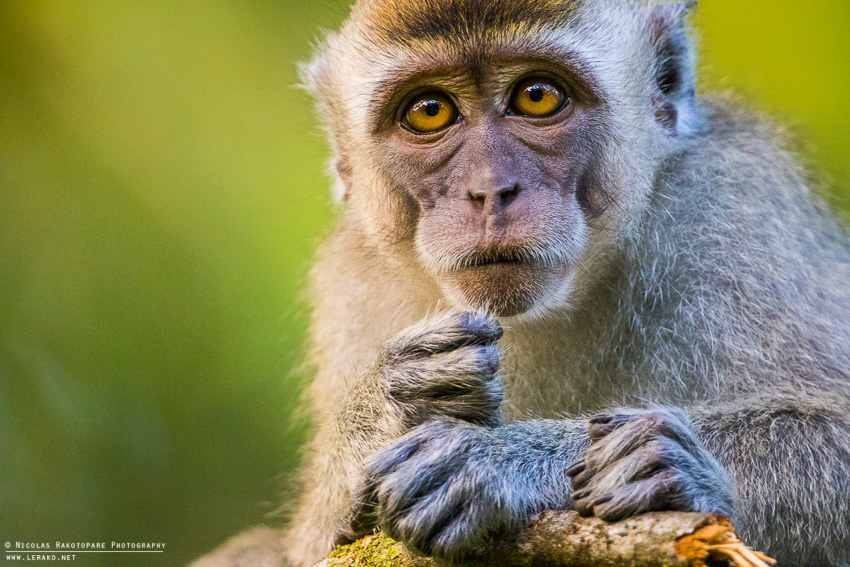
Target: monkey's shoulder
pixel 743 177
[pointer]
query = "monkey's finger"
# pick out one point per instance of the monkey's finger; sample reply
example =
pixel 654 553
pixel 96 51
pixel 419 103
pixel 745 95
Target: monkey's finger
pixel 645 462
pixel 602 424
pixel 657 493
pixel 576 468
pixel 622 441
pixel 364 511
pixel 346 536
pixel 432 515
pixel 389 458
pixel 582 501
pixel 413 481
pixel 445 333
pixel 582 472
pixel 363 517
pixel 599 430
pixel 473 522
pixel 607 450
pixel 447 375
pixel 464 529
pixel 479 407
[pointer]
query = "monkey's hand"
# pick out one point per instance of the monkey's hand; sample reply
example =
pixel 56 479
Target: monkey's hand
pixel 441 367
pixel 444 366
pixel 441 489
pixel 647 460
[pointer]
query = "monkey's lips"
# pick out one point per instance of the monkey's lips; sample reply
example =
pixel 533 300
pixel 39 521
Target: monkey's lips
pixel 484 262
pixel 504 286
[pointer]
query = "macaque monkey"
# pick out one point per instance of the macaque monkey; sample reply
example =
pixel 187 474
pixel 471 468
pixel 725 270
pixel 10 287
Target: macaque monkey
pixel 563 279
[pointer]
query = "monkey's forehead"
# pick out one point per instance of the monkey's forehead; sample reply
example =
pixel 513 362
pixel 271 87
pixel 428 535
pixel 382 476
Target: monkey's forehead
pixel 401 21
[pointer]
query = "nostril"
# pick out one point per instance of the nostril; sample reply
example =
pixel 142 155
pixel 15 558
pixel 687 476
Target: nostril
pixel 494 198
pixel 478 196
pixel 508 194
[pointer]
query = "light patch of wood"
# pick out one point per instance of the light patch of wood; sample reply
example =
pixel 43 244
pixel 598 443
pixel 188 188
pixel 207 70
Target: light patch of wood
pixel 717 541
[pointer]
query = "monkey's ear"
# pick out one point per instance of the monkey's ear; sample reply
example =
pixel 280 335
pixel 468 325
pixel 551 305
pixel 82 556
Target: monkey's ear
pixel 317 82
pixel 674 80
pixel 342 178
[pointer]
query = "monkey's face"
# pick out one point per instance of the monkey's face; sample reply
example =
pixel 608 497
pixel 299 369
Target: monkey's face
pixel 495 167
pixel 492 150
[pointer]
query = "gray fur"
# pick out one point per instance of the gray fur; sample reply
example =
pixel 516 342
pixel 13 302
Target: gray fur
pixel 707 297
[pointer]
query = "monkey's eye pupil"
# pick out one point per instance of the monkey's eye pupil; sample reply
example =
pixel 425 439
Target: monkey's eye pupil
pixel 537 97
pixel 429 113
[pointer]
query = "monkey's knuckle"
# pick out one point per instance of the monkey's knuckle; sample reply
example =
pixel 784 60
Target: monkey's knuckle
pixel 390 497
pixel 653 421
pixel 489 359
pixel 493 394
pixel 668 481
pixel 418 340
pixel 442 434
pixel 470 360
pixel 457 540
pixel 417 371
pixel 593 457
pixel 418 528
pixel 398 384
pixel 482 323
pixel 676 415
pixel 658 447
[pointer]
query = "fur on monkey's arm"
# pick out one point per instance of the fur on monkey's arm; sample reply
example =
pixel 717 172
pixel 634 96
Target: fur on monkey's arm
pixel 789 457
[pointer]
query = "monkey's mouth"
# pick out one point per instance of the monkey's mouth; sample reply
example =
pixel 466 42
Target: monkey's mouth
pixel 494 260
pixel 507 257
pixel 505 283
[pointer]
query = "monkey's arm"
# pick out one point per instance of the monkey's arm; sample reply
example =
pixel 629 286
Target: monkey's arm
pixel 790 460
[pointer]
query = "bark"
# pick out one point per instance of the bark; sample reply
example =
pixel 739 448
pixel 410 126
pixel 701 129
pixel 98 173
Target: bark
pixel 565 539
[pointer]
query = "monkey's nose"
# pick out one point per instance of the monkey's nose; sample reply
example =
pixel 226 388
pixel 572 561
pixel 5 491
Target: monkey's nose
pixel 492 199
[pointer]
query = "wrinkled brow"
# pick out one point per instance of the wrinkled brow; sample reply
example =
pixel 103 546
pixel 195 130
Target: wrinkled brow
pixel 473 66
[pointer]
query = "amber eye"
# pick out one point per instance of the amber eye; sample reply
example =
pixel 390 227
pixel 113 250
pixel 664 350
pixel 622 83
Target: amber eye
pixel 537 97
pixel 430 112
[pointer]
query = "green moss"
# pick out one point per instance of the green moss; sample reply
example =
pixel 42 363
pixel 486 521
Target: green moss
pixel 375 551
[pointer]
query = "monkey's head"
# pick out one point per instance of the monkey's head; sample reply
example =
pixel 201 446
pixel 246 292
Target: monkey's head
pixel 505 146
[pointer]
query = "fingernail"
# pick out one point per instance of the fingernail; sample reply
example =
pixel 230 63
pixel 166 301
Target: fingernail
pixel 597 432
pixel 601 499
pixel 579 494
pixel 344 538
pixel 576 468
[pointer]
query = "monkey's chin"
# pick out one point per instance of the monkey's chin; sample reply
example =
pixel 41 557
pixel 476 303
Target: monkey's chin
pixel 506 289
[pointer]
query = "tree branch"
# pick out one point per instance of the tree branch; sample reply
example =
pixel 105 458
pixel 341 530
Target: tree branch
pixel 565 539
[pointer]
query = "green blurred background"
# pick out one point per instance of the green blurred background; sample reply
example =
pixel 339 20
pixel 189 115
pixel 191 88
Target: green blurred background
pixel 161 193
